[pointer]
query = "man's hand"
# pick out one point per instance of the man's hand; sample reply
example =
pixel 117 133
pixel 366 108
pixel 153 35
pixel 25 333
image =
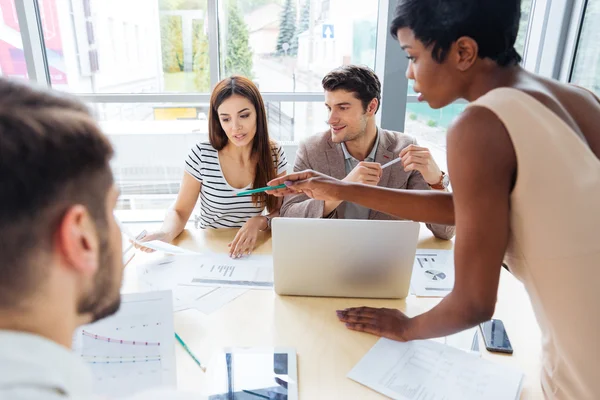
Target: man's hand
pixel 368 173
pixel 314 184
pixel 384 322
pixel 416 158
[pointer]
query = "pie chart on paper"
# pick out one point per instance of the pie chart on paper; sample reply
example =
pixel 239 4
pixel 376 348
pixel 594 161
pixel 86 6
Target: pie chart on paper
pixel 434 275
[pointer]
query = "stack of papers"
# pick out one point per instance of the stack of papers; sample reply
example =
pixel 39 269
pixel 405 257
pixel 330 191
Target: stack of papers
pixel 206 282
pixel 433 273
pixel 422 370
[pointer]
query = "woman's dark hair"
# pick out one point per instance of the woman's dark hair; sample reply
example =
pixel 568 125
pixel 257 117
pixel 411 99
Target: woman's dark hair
pixel 493 24
pixel 261 145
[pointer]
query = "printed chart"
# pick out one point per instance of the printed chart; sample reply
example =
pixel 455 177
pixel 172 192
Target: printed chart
pixel 132 350
pixel 433 273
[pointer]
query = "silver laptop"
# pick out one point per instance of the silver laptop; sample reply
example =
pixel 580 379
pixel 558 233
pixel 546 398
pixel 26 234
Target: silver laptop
pixel 343 258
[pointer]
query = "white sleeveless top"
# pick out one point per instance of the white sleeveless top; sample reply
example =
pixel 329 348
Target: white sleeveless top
pixel 554 248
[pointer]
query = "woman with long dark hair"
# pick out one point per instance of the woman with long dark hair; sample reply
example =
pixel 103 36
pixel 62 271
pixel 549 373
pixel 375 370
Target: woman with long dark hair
pixel 238 156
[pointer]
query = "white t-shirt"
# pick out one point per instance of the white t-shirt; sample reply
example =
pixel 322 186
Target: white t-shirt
pixel 220 205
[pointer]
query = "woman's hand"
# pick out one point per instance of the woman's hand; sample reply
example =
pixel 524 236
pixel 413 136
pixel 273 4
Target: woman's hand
pixel 314 184
pixel 159 235
pixel 384 322
pixel 245 240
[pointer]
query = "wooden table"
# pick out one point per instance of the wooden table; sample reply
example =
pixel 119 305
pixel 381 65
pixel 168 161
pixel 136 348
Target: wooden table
pixel 326 350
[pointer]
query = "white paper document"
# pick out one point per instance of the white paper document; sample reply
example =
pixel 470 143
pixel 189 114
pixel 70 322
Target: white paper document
pixel 134 349
pixel 216 299
pixel 205 282
pixel 254 272
pixel 156 245
pixel 186 296
pixel 433 273
pixel 426 370
pixel 467 340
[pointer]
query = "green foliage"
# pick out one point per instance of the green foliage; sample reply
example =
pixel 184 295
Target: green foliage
pixel 304 18
pixel 171 38
pixel 238 59
pixel 431 123
pixel 201 65
pixel 172 5
pixel 412 116
pixel 523 24
pixel 287 29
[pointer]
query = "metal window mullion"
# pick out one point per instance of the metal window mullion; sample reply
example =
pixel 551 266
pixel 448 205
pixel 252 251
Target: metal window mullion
pixel 553 34
pixel 190 97
pixel 213 41
pixel 535 34
pixel 390 66
pixel 572 40
pixel 32 36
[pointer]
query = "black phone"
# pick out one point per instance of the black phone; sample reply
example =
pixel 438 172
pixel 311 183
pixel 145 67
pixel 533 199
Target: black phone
pixel 495 336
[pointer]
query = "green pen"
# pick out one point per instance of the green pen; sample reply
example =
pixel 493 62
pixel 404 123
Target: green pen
pixel 263 189
pixel 202 367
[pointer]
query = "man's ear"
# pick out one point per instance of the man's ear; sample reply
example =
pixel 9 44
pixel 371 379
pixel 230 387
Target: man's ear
pixel 372 106
pixel 77 240
pixel 466 53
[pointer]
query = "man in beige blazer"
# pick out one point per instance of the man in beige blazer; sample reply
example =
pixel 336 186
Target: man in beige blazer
pixel 354 149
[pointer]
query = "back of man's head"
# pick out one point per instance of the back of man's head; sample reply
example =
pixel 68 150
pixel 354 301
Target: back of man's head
pixel 357 79
pixel 52 157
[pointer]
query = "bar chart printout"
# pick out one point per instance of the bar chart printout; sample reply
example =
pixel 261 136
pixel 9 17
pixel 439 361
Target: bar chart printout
pixel 133 350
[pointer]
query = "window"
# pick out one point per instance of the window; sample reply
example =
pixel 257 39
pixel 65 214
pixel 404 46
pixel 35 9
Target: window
pixel 586 67
pixel 289 45
pixel 173 48
pixel 12 58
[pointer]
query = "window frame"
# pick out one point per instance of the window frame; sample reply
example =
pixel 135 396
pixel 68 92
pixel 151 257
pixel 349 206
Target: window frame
pixel 574 33
pixel 548 52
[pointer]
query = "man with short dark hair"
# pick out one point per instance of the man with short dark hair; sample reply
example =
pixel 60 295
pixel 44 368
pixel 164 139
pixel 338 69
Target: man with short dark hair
pixel 60 245
pixel 354 150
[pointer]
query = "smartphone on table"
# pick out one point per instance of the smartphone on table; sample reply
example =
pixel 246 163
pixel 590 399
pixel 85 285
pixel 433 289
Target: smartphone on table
pixel 495 336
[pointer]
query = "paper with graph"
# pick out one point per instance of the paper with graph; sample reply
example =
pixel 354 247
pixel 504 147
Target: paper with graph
pixel 433 273
pixel 132 350
pixel 212 269
pixel 426 370
pixel 206 282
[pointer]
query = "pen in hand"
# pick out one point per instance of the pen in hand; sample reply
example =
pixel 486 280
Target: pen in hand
pixel 138 237
pixel 397 160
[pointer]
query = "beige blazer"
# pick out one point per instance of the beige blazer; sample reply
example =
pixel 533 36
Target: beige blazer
pixel 319 153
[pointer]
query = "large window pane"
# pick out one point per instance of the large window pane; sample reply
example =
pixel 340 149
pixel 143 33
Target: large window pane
pixel 127 46
pixel 586 69
pixel 289 45
pixel 429 127
pixel 12 58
